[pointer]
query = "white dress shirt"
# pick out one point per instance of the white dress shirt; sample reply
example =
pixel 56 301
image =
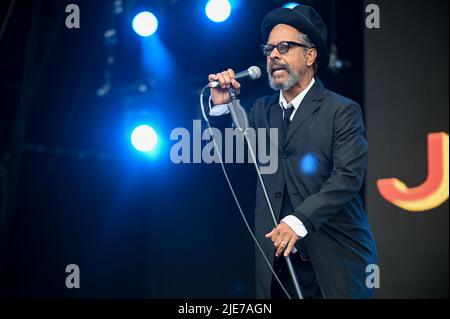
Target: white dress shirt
pixel 222 109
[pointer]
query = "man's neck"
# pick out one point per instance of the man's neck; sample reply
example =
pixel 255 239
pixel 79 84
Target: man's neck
pixel 290 94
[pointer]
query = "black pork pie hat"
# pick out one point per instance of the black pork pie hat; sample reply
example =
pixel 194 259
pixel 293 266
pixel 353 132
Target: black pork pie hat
pixel 306 20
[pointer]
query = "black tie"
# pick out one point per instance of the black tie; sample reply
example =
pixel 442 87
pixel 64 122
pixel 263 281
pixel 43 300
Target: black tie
pixel 287 118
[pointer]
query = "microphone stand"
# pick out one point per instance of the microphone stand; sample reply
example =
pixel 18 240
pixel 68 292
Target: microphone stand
pixel 240 120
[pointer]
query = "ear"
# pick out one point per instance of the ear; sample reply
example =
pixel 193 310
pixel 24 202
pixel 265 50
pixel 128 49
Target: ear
pixel 311 56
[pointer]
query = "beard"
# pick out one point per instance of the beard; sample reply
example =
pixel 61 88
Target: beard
pixel 292 78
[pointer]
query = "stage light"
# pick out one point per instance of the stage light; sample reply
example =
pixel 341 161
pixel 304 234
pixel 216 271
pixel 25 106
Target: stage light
pixel 144 138
pixel 308 164
pixel 218 10
pixel 291 5
pixel 145 24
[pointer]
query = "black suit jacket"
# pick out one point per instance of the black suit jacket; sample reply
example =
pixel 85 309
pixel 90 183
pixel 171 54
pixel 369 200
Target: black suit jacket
pixel 328 130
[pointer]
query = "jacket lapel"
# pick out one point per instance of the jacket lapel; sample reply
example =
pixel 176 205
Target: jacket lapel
pixel 309 104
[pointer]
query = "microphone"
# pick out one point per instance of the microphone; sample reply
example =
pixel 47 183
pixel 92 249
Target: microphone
pixel 252 72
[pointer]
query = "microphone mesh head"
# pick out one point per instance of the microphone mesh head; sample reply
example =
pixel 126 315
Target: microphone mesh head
pixel 254 72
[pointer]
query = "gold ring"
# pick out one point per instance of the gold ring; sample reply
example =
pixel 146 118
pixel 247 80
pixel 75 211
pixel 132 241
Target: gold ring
pixel 284 243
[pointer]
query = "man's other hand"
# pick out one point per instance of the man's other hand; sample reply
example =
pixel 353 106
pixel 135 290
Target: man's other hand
pixel 283 238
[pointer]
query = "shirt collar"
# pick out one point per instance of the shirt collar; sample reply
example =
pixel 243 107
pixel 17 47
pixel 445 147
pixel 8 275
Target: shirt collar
pixel 297 100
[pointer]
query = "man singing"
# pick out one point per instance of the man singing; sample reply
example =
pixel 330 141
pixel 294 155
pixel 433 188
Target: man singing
pixel 322 159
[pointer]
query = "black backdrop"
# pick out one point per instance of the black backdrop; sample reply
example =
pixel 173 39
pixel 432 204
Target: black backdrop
pixel 406 94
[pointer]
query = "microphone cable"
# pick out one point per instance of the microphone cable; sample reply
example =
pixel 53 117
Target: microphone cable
pixel 234 194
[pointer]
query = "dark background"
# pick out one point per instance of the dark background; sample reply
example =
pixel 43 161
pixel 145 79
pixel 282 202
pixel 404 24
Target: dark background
pixel 74 191
pixel 406 93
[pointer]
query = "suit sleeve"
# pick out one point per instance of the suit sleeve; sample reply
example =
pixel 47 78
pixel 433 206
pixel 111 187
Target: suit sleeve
pixel 349 154
pixel 221 122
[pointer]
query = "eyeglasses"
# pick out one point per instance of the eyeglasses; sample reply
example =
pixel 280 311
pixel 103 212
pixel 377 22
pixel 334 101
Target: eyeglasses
pixel 282 47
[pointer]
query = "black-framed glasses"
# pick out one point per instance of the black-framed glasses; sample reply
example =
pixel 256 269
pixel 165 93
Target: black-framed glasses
pixel 282 47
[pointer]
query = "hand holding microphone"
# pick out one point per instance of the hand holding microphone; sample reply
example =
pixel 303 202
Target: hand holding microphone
pixel 220 83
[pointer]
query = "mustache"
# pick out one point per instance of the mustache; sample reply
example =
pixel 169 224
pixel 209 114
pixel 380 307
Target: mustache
pixel 278 66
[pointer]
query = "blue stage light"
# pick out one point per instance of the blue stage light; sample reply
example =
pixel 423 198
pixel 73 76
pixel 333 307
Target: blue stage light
pixel 291 5
pixel 308 164
pixel 144 138
pixel 145 24
pixel 218 10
